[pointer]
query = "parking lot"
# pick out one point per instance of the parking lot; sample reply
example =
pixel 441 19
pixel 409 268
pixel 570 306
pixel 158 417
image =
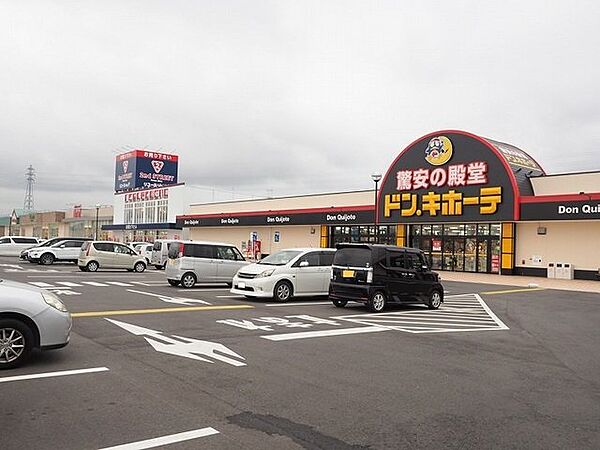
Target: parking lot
pixel 495 366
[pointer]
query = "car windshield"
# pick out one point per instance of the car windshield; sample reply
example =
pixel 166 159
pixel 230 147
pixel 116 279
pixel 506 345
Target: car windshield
pixel 280 258
pixel 352 257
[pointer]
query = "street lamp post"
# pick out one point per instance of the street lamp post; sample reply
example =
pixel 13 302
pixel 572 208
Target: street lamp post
pixel 97 211
pixel 376 177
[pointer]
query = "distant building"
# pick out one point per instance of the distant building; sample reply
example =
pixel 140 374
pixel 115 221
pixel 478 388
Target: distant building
pixel 81 222
pixel 78 222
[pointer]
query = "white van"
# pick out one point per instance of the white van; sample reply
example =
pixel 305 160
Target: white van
pixel 14 245
pixel 160 252
pixel 193 262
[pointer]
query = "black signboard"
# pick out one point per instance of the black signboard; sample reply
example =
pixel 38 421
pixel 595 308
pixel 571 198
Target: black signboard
pixel 449 176
pixel 556 210
pixel 142 226
pixel 333 217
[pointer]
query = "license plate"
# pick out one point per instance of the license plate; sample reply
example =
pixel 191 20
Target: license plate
pixel 348 274
pixel 241 285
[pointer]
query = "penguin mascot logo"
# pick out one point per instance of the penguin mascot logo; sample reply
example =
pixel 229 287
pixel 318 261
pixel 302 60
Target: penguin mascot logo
pixel 438 151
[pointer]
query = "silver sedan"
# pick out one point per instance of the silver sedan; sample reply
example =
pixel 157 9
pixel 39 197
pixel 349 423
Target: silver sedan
pixel 30 318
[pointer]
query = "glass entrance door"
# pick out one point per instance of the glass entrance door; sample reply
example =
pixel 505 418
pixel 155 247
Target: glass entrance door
pixel 459 247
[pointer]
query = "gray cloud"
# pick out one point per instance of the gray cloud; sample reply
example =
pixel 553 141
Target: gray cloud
pixel 295 97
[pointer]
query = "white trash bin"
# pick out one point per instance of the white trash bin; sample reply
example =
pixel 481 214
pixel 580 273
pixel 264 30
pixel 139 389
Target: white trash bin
pixel 559 271
pixel 551 270
pixel 568 271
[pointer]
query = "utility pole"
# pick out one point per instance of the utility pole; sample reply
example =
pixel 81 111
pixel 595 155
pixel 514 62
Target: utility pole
pixel 28 203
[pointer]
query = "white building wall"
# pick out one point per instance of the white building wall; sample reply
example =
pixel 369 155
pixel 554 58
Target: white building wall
pixel 290 236
pixel 577 243
pixel 357 198
pixel 566 184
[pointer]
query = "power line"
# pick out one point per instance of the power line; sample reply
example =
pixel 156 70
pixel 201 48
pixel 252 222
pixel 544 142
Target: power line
pixel 28 203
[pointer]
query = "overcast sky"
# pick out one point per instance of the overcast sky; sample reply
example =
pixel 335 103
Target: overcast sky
pixel 290 96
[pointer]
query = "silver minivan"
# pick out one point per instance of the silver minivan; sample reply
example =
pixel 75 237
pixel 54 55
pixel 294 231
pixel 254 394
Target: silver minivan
pixel 192 262
pixel 109 255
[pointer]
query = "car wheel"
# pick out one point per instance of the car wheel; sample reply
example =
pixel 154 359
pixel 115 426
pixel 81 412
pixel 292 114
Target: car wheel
pixel 173 282
pixel 340 303
pixel 435 300
pixel 139 267
pixel 157 267
pixel 16 342
pixel 283 291
pixel 188 280
pixel 47 259
pixel 377 301
pixel 92 266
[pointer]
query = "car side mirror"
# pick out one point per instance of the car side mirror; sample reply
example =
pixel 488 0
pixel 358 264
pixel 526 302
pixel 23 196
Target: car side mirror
pixel 304 264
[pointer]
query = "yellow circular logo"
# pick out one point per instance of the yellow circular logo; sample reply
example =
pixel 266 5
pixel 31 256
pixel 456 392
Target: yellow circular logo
pixel 438 151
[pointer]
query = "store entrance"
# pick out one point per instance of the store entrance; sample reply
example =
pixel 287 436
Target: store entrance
pixel 459 247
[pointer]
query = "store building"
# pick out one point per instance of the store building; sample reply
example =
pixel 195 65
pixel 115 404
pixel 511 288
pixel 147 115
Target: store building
pixel 147 197
pixel 148 214
pixel 470 203
pixel 303 221
pixel 88 222
pixel 45 225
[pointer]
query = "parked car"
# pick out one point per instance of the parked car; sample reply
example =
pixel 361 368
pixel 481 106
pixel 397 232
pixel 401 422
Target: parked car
pixel 30 318
pixel 160 252
pixel 46 243
pixel 144 250
pixel 67 250
pixel 14 245
pixel 294 272
pixel 95 255
pixel 377 275
pixel 134 244
pixel 209 262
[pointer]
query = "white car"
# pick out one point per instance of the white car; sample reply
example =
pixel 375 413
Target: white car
pixel 30 318
pixel 14 245
pixel 294 272
pixel 67 250
pixel 144 250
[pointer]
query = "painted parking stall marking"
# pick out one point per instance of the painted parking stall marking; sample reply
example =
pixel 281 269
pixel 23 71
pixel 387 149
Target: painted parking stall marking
pixel 165 440
pixel 463 312
pixel 62 373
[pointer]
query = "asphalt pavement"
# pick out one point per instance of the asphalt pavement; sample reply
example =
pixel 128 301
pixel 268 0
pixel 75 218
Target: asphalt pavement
pixel 160 366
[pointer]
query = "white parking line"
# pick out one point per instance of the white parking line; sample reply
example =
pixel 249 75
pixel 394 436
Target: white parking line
pixel 141 283
pixel 118 283
pixel 68 283
pixel 52 374
pixel 165 440
pixel 312 334
pixel 299 304
pixel 94 283
pixel 41 284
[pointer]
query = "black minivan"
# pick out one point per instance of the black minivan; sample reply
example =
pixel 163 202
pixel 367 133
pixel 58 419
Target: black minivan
pixel 380 274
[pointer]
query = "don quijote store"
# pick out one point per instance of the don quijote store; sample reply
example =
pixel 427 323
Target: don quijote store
pixel 471 203
pixel 147 196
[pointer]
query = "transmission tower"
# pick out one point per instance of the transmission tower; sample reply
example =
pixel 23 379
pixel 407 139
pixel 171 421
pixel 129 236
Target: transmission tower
pixel 28 203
